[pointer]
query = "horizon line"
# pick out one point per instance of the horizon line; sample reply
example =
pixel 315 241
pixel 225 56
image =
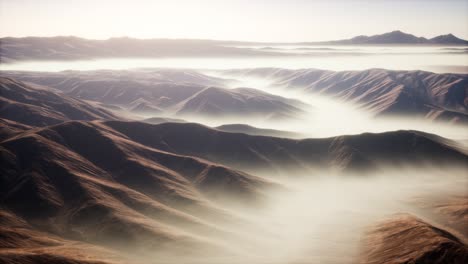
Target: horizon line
pixel 219 40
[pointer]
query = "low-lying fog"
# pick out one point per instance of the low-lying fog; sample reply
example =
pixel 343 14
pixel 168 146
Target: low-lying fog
pixel 431 58
pixel 327 117
pixel 324 116
pixel 322 217
pixel 326 121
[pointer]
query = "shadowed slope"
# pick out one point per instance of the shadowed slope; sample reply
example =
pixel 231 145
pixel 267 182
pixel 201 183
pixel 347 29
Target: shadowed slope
pixel 248 152
pixel 214 101
pixel 39 107
pixel 90 183
pixel 130 187
pixel 250 130
pixel 9 128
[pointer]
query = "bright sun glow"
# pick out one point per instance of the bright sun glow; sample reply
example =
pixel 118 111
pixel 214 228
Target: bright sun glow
pixel 261 20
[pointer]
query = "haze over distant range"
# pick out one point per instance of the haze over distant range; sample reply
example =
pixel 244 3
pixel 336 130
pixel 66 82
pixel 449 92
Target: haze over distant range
pixel 230 132
pixel 394 50
pixel 74 48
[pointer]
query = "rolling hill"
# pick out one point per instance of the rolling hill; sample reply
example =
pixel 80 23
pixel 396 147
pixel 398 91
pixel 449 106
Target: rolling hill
pixel 162 92
pixel 214 101
pixel 259 152
pixel 84 181
pixel 384 92
pixel 137 188
pixel 39 106
pixel 78 184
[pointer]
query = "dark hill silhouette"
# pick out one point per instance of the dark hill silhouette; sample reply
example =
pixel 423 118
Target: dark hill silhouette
pixel 247 152
pixel 399 37
pixel 160 120
pixel 250 130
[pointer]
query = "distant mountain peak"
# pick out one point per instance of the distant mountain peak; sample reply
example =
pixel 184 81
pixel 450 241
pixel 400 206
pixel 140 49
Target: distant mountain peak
pixel 448 39
pixel 400 37
pixel 394 32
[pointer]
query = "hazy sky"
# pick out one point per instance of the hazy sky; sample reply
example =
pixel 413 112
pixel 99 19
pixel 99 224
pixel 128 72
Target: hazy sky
pixel 256 20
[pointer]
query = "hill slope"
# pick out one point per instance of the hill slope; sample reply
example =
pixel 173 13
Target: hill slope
pixel 131 187
pixel 407 239
pixel 213 101
pixel 385 92
pixel 87 182
pixel 165 92
pixel 250 152
pixel 40 106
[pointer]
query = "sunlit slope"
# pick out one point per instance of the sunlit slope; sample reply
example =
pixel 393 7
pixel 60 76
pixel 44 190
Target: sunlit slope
pixel 407 239
pixel 21 243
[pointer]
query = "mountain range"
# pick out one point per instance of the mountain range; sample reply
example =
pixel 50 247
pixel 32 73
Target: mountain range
pixel 383 92
pixel 88 181
pixel 440 97
pixel 398 37
pixel 173 166
pixel 82 182
pixel 156 93
pixel 75 48
pixel 38 106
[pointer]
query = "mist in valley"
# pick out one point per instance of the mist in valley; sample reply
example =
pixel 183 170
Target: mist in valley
pixel 174 150
pixel 323 216
pixel 322 115
pixel 440 59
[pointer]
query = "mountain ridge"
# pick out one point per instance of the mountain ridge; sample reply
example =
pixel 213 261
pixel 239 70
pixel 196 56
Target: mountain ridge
pixel 384 92
pixel 399 37
pixel 37 106
pixel 247 152
pixel 73 48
